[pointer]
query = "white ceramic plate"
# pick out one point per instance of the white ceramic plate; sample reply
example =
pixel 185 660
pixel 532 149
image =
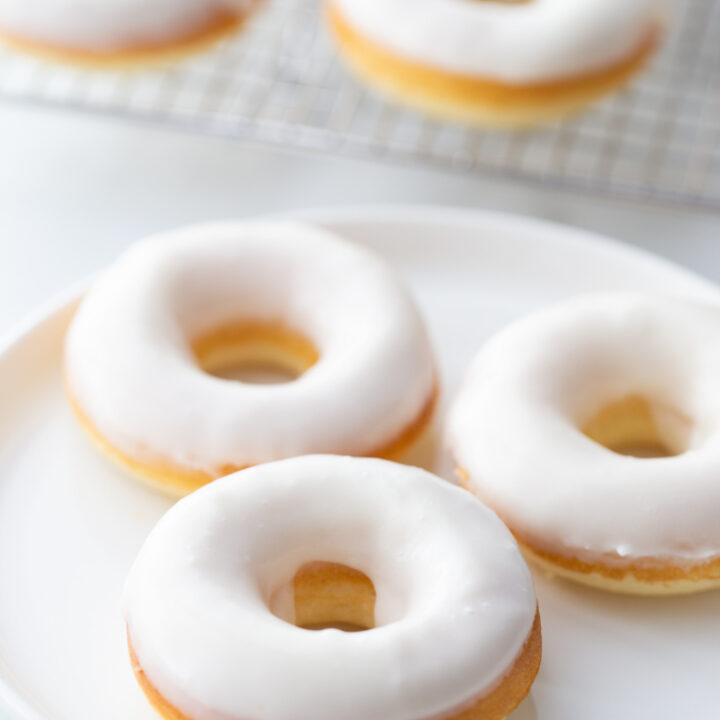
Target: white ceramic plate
pixel 70 523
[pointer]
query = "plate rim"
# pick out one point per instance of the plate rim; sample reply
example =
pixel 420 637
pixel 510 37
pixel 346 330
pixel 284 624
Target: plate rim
pixel 396 213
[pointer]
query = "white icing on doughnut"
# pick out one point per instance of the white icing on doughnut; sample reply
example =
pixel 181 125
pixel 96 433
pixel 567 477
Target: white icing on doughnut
pixel 130 368
pixel 514 427
pixel 455 601
pixel 107 25
pixel 510 42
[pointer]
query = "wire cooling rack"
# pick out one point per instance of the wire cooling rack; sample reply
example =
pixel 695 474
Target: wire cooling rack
pixel 280 82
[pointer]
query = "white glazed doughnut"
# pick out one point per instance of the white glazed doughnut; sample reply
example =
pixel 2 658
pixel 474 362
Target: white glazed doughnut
pixel 593 429
pixel 454 621
pixel 118 30
pixel 496 61
pixel 135 348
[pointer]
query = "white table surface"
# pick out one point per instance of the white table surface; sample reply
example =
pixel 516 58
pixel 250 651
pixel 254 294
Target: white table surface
pixel 75 190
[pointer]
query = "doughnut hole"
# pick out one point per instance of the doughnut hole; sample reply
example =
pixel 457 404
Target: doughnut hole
pixel 325 595
pixel 261 354
pixel 330 595
pixel 639 427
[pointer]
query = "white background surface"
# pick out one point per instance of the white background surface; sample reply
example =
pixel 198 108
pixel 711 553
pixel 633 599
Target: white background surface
pixel 74 190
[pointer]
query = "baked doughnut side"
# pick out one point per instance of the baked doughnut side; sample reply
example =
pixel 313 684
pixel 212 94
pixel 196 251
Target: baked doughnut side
pixel 660 579
pixel 496 705
pixel 514 687
pixel 478 100
pixel 177 481
pixel 630 579
pixel 219 25
pixel 166 710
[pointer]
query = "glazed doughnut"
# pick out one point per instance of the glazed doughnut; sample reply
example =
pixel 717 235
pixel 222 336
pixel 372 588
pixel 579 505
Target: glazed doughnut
pixel 593 429
pixel 220 601
pixel 176 306
pixel 496 62
pixel 118 32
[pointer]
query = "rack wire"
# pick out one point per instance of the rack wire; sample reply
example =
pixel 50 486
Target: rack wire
pixel 281 82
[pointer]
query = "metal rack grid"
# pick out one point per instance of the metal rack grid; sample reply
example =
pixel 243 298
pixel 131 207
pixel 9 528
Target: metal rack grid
pixel 280 82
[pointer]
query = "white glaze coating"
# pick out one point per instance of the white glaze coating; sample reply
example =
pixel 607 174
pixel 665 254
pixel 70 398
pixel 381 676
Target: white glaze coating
pixel 110 25
pixel 514 427
pixel 130 368
pixel 455 601
pixel 513 43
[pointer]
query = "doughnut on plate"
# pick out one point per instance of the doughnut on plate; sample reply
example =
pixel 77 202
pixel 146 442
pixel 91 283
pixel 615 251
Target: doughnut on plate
pixel 71 523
